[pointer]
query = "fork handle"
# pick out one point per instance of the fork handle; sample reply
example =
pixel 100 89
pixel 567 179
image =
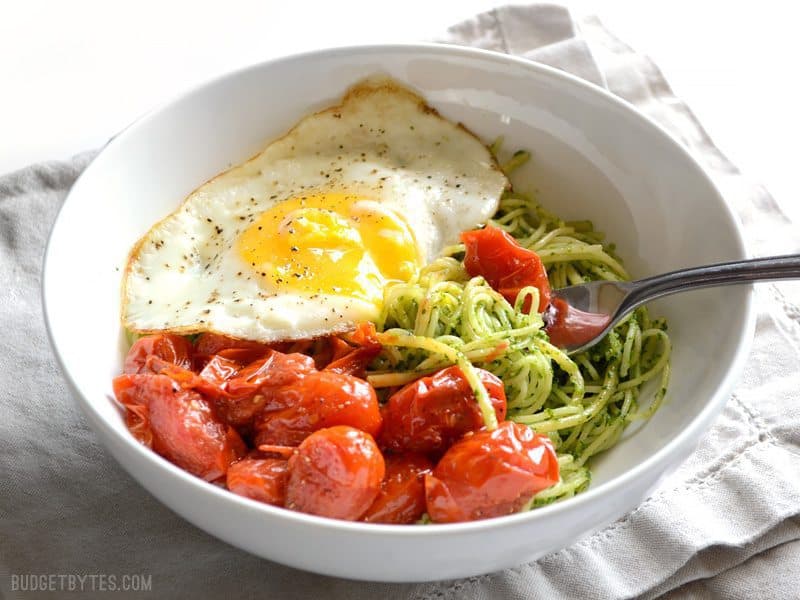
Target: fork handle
pixel 728 273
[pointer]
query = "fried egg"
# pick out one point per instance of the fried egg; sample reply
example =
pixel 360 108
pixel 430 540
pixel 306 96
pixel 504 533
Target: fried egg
pixel 301 240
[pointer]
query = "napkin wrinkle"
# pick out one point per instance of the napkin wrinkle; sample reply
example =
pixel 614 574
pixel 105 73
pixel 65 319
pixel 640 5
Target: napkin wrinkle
pixel 744 581
pixel 720 560
pixel 711 476
pixel 545 33
pixel 501 34
pixel 483 31
pixel 55 175
pixel 707 565
pixel 662 544
pixel 534 26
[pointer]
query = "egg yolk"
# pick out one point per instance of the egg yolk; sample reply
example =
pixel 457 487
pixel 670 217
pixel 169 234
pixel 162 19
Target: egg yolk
pixel 330 244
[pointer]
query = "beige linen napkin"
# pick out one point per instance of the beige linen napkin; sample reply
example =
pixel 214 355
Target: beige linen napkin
pixel 726 523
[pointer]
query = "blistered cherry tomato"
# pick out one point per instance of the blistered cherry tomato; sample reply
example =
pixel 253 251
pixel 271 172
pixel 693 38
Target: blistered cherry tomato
pixel 185 429
pixel 274 370
pixel 219 370
pixel 137 416
pixel 250 390
pixel 238 393
pixel 187 379
pixel 336 473
pixel 506 266
pixel 402 496
pixel 242 351
pixel 490 473
pixel 262 479
pixel 171 348
pixel 431 413
pixel 353 356
pixel 321 399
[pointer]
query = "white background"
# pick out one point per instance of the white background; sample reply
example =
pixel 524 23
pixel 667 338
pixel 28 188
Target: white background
pixel 74 73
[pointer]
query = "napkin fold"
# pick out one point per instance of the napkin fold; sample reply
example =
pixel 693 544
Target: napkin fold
pixel 727 523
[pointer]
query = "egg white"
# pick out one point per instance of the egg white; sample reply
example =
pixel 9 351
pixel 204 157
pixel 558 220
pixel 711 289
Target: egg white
pixel 382 142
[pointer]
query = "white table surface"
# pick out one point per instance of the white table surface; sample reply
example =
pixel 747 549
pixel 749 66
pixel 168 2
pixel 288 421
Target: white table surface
pixel 74 73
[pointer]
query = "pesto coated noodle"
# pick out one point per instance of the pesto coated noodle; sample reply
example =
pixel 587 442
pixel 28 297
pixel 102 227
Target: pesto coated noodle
pixel 583 402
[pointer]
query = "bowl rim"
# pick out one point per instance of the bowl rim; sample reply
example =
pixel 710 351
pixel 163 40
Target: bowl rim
pixel 660 459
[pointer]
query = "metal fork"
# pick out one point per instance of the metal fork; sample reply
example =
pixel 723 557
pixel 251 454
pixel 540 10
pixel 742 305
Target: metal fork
pixel 615 299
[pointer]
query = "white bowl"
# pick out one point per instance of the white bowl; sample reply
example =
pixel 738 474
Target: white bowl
pixel 593 157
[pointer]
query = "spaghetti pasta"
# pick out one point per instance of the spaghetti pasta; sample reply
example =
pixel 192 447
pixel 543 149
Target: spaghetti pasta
pixel 583 402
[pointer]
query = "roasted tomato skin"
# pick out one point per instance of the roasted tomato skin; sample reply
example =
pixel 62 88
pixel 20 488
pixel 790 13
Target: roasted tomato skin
pixel 274 370
pixel 219 370
pixel 354 359
pixel 187 379
pixel 185 429
pixel 431 413
pixel 171 348
pixel 262 479
pixel 243 351
pixel 336 472
pixel 506 266
pixel 238 393
pixel 490 473
pixel 321 399
pixel 250 390
pixel 401 500
pixel 137 415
